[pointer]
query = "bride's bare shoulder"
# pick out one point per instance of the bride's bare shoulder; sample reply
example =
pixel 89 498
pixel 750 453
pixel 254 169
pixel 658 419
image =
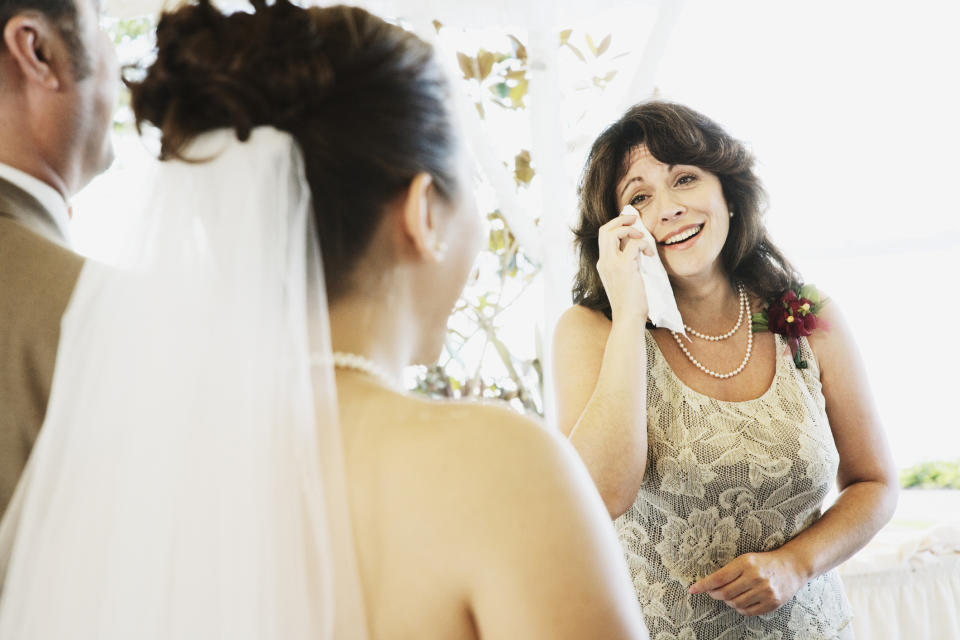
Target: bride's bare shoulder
pixel 457 455
pixel 482 428
pixel 466 447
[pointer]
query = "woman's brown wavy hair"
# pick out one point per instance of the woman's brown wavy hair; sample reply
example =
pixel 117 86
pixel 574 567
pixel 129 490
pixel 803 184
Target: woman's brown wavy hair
pixel 675 134
pixel 365 100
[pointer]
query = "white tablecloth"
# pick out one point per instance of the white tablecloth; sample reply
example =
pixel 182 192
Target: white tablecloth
pixel 906 586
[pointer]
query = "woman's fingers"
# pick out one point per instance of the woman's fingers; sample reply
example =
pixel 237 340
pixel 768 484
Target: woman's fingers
pixel 620 221
pixel 744 600
pixel 623 234
pixel 633 247
pixel 617 238
pixel 733 590
pixel 612 232
pixel 620 245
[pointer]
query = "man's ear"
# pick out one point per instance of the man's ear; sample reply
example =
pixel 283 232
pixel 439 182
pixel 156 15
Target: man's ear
pixel 418 222
pixel 37 48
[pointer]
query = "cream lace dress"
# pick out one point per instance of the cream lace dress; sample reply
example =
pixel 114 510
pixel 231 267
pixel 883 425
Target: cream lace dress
pixel 724 479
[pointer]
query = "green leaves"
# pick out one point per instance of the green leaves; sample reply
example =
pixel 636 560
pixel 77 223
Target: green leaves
pixel 811 293
pixel 565 42
pixel 502 74
pixel 939 474
pixel 523 173
pixel 519 50
pixel 601 82
pixel 596 50
pixel 758 322
pixel 467 66
pixel 476 68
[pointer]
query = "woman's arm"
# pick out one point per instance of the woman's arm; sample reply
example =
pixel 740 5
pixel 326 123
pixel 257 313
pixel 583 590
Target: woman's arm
pixel 601 386
pixel 600 371
pixel 867 479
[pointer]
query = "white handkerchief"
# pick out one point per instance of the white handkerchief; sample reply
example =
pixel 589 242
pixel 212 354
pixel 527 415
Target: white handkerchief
pixel 662 305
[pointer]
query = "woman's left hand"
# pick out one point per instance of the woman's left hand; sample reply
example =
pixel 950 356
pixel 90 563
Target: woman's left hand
pixel 754 583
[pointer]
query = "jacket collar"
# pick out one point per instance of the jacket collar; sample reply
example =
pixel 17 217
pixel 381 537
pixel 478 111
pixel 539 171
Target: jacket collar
pixel 25 207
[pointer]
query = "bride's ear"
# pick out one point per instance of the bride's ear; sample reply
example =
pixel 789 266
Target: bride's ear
pixel 419 219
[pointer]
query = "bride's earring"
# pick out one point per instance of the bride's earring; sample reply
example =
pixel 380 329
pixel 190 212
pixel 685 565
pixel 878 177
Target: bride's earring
pixel 440 250
pixel 731 213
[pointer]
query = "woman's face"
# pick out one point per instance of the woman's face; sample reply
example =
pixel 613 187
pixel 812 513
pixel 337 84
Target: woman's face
pixel 684 209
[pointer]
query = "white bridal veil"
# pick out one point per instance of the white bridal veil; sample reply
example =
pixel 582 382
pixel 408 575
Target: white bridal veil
pixel 188 480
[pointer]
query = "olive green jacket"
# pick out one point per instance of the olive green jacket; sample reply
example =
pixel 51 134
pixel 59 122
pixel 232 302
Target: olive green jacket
pixel 37 276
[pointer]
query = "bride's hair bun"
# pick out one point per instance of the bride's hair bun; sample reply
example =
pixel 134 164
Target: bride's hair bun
pixel 239 71
pixel 365 99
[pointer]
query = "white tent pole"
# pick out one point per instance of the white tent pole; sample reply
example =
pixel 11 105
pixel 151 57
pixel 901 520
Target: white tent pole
pixel 548 155
pixel 642 83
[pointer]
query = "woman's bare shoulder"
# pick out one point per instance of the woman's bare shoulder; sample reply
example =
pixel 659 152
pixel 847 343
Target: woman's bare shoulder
pixel 480 476
pixel 481 448
pixel 579 317
pixel 477 428
pixel 515 493
pixel 579 327
pixel 832 341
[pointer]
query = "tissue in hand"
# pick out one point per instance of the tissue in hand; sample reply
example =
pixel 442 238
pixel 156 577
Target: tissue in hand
pixel 662 305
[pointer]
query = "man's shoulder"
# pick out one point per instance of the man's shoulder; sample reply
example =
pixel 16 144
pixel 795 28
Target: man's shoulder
pixel 17 240
pixel 32 265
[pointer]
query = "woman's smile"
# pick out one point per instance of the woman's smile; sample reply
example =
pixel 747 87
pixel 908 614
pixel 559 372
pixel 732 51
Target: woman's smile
pixel 683 238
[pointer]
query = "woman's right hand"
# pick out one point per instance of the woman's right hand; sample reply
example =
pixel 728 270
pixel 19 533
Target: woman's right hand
pixel 619 266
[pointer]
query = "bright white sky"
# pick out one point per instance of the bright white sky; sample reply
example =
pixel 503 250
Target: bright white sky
pixel 851 108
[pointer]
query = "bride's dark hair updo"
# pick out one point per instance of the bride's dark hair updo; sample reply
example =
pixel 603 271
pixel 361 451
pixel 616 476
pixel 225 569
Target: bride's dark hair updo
pixel 365 100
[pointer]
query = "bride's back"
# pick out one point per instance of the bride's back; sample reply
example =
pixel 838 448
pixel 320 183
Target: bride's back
pixel 471 521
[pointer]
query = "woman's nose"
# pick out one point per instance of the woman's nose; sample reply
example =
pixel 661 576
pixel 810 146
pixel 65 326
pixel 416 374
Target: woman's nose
pixel 671 210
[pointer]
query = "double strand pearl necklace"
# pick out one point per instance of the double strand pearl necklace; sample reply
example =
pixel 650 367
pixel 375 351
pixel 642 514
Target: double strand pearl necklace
pixel 744 304
pixel 744 308
pixel 362 364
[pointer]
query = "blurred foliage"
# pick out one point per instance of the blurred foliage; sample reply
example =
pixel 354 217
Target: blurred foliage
pixel 133 40
pixel 931 475
pixel 123 32
pixel 499 79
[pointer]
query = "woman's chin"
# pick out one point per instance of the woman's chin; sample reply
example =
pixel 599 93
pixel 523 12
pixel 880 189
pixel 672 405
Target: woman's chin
pixel 683 267
pixel 684 271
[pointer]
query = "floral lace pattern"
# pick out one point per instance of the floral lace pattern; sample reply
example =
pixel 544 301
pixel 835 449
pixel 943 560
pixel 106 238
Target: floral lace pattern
pixel 724 479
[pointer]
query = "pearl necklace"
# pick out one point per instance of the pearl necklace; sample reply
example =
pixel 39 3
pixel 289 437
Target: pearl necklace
pixel 362 364
pixel 744 306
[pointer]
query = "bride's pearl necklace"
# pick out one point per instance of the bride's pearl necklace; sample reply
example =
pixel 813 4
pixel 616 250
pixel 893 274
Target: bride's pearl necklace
pixel 744 309
pixel 362 364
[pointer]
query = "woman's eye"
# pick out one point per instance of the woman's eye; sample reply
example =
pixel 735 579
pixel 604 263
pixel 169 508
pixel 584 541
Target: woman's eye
pixel 686 178
pixel 639 199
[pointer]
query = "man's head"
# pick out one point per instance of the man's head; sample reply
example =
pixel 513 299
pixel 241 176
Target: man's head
pixel 58 84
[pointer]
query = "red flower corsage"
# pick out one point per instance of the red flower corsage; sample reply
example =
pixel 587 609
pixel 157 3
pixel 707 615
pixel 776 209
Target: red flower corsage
pixel 792 315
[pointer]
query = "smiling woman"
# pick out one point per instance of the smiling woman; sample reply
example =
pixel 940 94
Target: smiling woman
pixel 716 473
pixel 658 144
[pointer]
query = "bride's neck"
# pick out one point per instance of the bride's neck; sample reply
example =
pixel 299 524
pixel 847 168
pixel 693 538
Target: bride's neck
pixel 375 329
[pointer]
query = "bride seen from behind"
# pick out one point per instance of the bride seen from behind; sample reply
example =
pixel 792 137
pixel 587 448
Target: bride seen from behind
pixel 468 520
